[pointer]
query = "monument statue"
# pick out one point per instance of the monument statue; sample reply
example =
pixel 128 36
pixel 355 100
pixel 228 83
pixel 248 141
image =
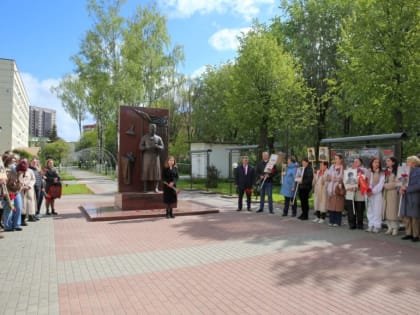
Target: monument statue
pixel 151 145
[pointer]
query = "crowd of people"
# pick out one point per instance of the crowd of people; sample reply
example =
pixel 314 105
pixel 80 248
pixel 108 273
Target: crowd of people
pixel 375 194
pixel 24 187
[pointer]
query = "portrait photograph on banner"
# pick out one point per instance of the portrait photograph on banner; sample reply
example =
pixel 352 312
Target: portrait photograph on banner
pixel 350 178
pixel 402 175
pixel 299 174
pixel 323 154
pixel 311 154
pixel 271 163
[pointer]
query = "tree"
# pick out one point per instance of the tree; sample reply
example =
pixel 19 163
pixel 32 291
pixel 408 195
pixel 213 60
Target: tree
pixel 379 75
pixel 98 64
pixel 210 97
pixel 124 61
pixel 58 151
pixel 87 140
pixel 311 32
pixel 72 93
pixel 52 135
pixel 268 89
pixel 148 61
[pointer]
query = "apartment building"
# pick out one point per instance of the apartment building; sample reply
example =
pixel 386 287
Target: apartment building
pixel 14 108
pixel 41 121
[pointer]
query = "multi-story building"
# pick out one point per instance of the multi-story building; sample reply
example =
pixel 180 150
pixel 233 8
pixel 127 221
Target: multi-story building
pixel 89 127
pixel 14 108
pixel 41 121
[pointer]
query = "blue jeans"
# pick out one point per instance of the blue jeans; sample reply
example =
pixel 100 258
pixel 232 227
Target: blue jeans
pixel 335 217
pixel 267 189
pixel 12 219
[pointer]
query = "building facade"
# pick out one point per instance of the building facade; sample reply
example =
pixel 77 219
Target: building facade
pixel 14 108
pixel 217 155
pixel 41 121
pixel 89 127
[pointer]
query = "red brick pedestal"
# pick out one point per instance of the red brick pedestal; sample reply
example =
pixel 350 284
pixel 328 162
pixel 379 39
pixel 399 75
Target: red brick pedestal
pixel 139 201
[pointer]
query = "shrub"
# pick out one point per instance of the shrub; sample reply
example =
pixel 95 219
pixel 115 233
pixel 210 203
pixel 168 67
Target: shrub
pixel 212 176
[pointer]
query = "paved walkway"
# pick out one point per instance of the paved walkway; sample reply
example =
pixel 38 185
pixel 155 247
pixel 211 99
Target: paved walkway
pixel 225 263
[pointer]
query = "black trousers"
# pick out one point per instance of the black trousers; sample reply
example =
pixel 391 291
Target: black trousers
pixel 355 218
pixel 241 193
pixel 39 197
pixel 304 202
pixel 287 201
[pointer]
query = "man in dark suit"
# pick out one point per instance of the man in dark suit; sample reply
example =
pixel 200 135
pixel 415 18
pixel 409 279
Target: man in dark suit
pixel 244 180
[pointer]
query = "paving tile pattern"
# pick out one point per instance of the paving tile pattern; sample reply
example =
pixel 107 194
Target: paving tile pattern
pixel 226 263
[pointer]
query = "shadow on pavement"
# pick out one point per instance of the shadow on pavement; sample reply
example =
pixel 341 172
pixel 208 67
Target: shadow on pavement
pixel 365 263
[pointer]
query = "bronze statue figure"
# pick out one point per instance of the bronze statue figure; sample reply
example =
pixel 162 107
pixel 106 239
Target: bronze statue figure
pixel 151 145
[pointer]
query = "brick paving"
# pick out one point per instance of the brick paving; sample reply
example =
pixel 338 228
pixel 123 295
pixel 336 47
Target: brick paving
pixel 226 263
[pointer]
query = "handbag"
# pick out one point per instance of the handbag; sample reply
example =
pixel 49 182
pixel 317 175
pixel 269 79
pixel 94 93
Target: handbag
pixel 339 189
pixel 54 192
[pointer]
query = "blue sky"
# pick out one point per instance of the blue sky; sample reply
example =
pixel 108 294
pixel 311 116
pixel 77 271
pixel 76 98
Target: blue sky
pixel 42 35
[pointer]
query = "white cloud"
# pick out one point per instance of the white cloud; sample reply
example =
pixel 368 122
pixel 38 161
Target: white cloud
pixel 227 39
pixel 248 9
pixel 40 95
pixel 198 72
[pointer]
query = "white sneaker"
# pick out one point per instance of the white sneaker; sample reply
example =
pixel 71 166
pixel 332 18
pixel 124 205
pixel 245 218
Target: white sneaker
pixel 330 224
pixel 369 229
pixel 321 221
pixel 375 230
pixel 335 225
pixel 316 220
pixel 389 231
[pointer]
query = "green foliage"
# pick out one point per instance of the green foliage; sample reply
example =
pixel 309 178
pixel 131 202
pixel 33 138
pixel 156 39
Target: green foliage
pixel 212 103
pixel 71 92
pixel 23 154
pixel 212 176
pixel 379 75
pixel 311 32
pixel 111 131
pixel 180 146
pixel 87 140
pixel 121 62
pixel 52 135
pixel 325 68
pixel 57 151
pixel 269 90
pixel 147 59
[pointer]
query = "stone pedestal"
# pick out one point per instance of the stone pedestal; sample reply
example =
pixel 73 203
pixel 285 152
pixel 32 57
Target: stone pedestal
pixel 139 201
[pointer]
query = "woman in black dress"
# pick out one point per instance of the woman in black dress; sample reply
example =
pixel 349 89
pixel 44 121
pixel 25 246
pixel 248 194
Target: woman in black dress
pixel 169 178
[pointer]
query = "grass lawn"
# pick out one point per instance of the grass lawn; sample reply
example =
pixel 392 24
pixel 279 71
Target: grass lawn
pixel 65 176
pixel 75 189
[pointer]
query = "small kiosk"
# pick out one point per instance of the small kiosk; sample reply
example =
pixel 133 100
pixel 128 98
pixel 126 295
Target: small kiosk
pixel 366 147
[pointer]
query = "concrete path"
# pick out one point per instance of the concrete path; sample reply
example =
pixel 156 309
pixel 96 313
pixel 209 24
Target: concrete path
pixel 226 263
